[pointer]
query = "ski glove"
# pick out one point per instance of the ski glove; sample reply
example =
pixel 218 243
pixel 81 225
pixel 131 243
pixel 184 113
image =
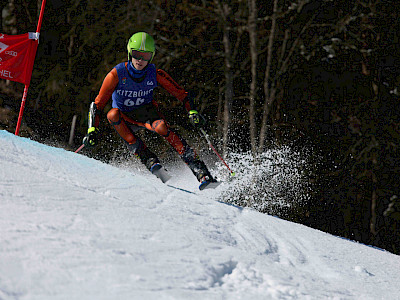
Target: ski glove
pixel 91 138
pixel 196 119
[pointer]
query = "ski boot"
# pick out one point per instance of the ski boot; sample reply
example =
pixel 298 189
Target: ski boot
pixel 150 160
pixel 207 182
pixel 199 170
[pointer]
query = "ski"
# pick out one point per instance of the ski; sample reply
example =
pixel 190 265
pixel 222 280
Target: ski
pixel 164 176
pixel 181 189
pixel 209 185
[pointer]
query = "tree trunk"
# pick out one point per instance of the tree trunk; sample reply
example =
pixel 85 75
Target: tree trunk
pixel 374 180
pixel 9 20
pixel 269 88
pixel 228 90
pixel 252 29
pixel 224 11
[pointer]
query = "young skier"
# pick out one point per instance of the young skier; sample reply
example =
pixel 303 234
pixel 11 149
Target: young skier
pixel 130 85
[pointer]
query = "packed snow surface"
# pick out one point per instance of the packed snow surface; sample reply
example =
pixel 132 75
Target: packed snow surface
pixel 72 227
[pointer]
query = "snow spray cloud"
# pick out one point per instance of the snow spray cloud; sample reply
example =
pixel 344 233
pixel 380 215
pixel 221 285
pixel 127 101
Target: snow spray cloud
pixel 277 184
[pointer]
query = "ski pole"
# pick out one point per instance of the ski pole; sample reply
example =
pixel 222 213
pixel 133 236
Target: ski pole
pixel 80 148
pixel 215 151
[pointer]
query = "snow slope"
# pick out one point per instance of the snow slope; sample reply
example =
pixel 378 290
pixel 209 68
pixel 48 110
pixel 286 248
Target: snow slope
pixel 74 228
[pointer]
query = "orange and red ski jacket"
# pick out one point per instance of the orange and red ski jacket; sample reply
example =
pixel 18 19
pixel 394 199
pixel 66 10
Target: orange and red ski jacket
pixel 163 79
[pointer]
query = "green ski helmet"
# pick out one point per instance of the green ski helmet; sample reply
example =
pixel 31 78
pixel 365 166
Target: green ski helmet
pixel 141 41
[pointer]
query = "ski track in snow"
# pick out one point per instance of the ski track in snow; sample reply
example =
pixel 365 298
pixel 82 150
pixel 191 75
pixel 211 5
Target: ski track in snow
pixel 75 228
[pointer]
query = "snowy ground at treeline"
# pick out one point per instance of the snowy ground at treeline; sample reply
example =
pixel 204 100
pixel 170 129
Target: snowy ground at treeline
pixel 72 227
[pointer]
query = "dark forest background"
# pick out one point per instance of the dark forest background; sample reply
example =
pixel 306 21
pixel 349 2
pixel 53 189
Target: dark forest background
pixel 315 74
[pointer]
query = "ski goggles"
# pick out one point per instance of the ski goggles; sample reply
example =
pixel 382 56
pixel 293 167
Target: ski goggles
pixel 146 56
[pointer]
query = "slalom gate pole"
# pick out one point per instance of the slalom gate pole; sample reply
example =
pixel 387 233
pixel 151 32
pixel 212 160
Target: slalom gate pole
pixel 215 151
pixel 80 148
pixel 21 110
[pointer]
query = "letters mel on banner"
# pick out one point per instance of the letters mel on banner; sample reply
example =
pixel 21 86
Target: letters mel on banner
pixel 17 55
